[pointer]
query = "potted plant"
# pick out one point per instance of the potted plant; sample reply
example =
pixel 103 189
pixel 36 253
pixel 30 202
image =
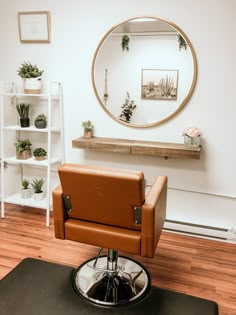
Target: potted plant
pixel 40 121
pixel 37 185
pixel 25 191
pixel 40 154
pixel 127 109
pixel 192 136
pixel 31 75
pixel 23 111
pixel 23 149
pixel 88 128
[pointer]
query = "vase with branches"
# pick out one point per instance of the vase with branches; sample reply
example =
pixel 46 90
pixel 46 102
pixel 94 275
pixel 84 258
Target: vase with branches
pixel 127 109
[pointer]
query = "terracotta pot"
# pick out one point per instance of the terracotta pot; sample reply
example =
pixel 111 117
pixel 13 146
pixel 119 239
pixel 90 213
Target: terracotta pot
pixel 40 158
pixel 88 134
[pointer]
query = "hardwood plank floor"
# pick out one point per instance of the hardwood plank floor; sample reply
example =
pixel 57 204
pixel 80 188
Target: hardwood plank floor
pixel 199 267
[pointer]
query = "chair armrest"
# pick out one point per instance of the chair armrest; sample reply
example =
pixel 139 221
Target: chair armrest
pixel 59 213
pixel 153 216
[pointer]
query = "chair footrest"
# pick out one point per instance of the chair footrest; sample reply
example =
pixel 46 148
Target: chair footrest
pixel 129 283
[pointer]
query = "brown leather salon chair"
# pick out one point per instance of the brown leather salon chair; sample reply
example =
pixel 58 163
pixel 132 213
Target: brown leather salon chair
pixel 107 207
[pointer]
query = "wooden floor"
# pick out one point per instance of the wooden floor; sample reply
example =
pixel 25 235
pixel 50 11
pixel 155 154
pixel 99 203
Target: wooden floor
pixel 194 266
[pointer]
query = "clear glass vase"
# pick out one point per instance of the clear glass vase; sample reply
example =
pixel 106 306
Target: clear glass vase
pixel 193 142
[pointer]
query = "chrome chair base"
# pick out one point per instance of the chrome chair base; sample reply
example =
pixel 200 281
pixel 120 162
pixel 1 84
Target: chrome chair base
pixel 97 283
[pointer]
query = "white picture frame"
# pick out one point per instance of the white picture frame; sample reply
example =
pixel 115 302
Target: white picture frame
pixel 34 27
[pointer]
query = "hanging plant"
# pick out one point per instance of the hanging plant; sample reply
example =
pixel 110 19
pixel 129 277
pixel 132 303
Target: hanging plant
pixel 182 43
pixel 105 95
pixel 125 42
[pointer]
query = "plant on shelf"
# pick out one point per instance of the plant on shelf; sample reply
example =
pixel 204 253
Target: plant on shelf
pixel 23 111
pixel 127 109
pixel 192 136
pixel 88 128
pixel 27 71
pixel 40 154
pixel 31 75
pixel 37 185
pixel 40 121
pixel 125 42
pixel 23 149
pixel 25 191
pixel 25 184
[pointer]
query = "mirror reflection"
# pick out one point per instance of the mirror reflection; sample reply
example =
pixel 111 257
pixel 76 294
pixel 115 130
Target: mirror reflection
pixel 144 71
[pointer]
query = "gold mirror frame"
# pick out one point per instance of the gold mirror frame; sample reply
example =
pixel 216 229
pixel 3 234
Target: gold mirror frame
pixel 185 100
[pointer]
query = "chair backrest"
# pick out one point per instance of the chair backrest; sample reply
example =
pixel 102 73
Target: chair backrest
pixel 103 195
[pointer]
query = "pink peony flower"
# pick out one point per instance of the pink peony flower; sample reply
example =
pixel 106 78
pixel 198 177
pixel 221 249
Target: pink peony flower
pixel 192 132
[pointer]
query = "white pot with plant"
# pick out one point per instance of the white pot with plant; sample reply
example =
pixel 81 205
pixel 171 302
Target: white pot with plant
pixel 37 185
pixel 32 76
pixel 88 128
pixel 25 191
pixel 192 137
pixel 40 154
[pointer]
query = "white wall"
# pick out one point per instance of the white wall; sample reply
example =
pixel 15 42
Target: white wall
pixel 78 26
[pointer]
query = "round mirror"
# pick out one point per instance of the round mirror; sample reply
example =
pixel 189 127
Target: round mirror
pixel 144 71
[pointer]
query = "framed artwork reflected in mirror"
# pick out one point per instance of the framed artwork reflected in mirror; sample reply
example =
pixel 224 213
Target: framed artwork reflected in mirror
pixel 159 84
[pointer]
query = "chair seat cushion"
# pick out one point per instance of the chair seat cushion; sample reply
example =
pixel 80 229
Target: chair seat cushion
pixel 103 236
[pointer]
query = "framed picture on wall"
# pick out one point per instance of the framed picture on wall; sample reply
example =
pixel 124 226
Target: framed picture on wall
pixel 34 27
pixel 159 84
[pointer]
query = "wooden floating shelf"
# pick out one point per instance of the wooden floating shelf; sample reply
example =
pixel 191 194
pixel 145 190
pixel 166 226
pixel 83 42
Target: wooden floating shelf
pixel 166 150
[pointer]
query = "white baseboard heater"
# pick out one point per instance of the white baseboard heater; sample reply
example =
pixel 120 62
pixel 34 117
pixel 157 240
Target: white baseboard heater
pixel 201 230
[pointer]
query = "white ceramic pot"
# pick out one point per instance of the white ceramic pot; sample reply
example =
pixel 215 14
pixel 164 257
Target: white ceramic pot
pixel 26 193
pixel 32 85
pixel 38 196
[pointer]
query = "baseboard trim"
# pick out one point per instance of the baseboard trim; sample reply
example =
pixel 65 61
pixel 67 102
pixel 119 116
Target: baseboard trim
pixel 200 230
